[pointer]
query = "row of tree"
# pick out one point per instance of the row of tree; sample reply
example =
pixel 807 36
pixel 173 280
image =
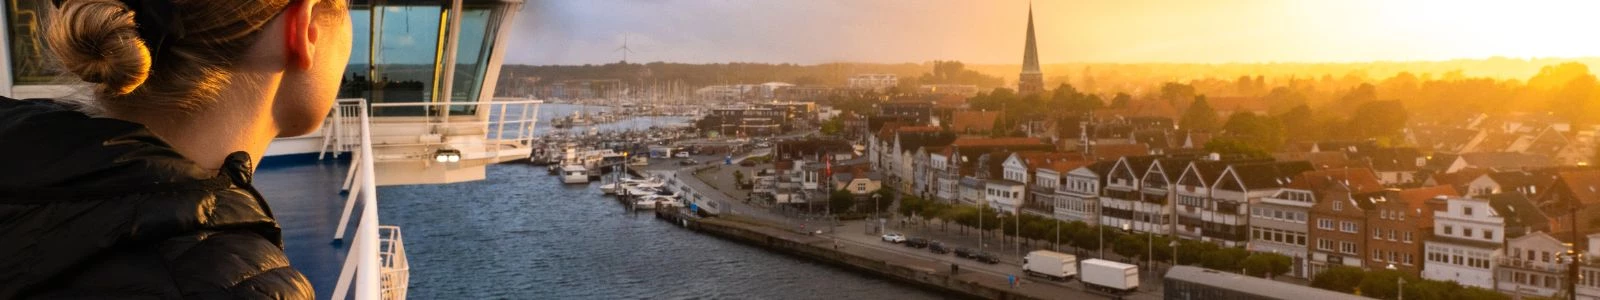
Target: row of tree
pixel 1383 283
pixel 1037 231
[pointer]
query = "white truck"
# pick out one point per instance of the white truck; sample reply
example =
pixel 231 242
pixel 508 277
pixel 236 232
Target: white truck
pixel 1050 264
pixel 1110 277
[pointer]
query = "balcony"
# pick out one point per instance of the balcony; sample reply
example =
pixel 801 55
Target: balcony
pixel 1549 267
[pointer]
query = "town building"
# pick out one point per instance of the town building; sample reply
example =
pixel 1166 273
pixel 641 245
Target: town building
pixel 1004 195
pixel 1467 236
pixel 1337 225
pixel 1400 222
pixel 1079 198
pixel 1123 204
pixel 1280 223
pixel 1227 218
pixel 1532 266
pixel 874 82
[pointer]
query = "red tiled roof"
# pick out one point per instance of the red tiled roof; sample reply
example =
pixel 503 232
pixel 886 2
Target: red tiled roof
pixel 1360 180
pixel 1584 185
pixel 965 121
pixel 1418 197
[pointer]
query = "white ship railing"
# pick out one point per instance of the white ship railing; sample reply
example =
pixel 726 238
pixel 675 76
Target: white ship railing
pixel 376 266
pixel 508 129
pixel 396 269
pixel 342 133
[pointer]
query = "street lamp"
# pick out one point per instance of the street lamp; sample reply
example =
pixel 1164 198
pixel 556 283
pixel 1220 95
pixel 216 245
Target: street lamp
pixel 1174 245
pixel 1400 281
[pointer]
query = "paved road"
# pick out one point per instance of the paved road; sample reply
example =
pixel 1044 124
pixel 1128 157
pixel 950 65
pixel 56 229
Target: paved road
pixel 853 235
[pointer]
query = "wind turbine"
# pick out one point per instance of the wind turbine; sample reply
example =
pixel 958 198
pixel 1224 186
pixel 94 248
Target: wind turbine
pixel 625 50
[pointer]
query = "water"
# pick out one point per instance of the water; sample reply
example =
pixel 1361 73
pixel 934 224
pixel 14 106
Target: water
pixel 522 235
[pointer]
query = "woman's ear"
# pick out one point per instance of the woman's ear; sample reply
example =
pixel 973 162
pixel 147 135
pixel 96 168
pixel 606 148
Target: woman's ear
pixel 301 33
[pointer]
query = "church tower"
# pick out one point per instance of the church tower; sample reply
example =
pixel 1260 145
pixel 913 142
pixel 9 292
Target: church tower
pixel 1031 81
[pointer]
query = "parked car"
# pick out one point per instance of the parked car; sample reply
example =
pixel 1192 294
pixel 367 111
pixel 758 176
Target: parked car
pixel 965 253
pixel 682 154
pixel 985 257
pixel 893 237
pixel 747 163
pixel 688 162
pixel 916 242
pixel 938 248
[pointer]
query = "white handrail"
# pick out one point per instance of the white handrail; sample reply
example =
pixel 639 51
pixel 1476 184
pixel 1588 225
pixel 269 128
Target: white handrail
pixel 364 259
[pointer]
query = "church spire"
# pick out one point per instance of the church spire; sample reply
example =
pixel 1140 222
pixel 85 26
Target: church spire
pixel 1031 80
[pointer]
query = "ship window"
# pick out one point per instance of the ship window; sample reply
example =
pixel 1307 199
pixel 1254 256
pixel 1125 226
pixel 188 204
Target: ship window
pixel 31 62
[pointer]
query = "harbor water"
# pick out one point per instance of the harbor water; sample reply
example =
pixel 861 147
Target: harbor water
pixel 521 234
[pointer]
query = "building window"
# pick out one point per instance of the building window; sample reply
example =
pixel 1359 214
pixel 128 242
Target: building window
pixel 1407 236
pixel 1407 258
pixel 1347 226
pixel 1488 234
pixel 1377 233
pixel 1337 205
pixel 1325 244
pixel 1348 248
pixel 1465 210
pixel 1377 254
pixel 1466 232
pixel 1449 230
pixel 1392 234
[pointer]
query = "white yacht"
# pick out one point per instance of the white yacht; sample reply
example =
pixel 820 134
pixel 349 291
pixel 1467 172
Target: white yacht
pixel 574 174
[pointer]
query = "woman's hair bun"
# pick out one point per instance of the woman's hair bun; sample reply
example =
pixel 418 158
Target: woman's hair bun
pixel 99 41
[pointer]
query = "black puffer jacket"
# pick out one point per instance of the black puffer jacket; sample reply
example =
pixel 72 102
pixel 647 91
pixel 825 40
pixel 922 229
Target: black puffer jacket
pixel 102 208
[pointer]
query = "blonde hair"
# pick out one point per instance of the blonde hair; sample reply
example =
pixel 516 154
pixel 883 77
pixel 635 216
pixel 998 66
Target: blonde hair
pixel 99 41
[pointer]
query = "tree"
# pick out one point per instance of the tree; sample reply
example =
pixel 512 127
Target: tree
pixel 885 198
pixel 833 126
pixel 1381 283
pixel 1342 279
pixel 1298 124
pixel 738 179
pixel 1200 116
pixel 1256 265
pixel 1258 132
pixel 841 201
pixel 1121 100
pixel 1130 246
pixel 1234 146
pixel 1379 120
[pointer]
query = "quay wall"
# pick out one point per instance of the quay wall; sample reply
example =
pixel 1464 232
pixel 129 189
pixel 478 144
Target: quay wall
pixel 822 249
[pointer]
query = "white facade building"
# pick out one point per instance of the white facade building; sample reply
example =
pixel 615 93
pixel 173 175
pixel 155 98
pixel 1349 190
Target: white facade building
pixel 1004 195
pixel 875 82
pixel 1466 242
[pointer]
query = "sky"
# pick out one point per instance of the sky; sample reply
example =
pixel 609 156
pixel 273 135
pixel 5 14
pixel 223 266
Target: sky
pixel 1076 31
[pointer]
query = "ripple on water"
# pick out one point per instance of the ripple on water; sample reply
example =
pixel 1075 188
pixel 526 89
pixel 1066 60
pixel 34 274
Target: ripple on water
pixel 522 235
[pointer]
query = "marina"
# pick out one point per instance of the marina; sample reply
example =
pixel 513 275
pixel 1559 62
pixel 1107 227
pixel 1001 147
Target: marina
pixel 521 234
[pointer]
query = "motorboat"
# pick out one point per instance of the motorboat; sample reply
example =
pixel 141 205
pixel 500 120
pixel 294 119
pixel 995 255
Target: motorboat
pixel 614 187
pixel 574 174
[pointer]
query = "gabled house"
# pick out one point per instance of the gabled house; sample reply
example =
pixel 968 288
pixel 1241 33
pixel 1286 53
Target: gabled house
pixel 1079 198
pixel 1193 194
pixel 1395 166
pixel 1399 222
pixel 1157 187
pixel 1337 225
pixel 1532 266
pixel 1574 194
pixel 1227 219
pixel 1279 223
pixel 1122 203
pixel 859 182
pixel 1526 183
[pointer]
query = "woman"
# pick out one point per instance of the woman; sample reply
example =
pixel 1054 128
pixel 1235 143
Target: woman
pixel 144 191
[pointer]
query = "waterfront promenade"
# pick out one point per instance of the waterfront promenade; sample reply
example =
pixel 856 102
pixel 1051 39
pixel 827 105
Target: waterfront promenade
pixel 852 237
